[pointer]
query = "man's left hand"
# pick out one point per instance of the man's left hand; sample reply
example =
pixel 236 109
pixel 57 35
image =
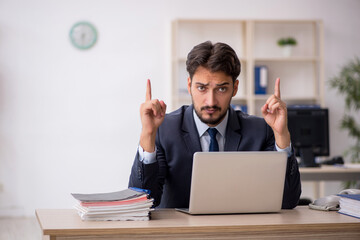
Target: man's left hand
pixel 274 112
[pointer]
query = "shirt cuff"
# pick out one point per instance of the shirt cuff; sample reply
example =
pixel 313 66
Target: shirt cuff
pixel 288 149
pixel 146 157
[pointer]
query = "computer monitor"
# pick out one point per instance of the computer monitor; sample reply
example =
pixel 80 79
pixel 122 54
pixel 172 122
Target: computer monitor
pixel 309 130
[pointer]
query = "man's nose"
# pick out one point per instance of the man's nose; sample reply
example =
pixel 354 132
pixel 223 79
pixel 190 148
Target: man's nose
pixel 211 99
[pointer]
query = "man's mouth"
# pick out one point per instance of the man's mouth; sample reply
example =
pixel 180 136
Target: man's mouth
pixel 210 110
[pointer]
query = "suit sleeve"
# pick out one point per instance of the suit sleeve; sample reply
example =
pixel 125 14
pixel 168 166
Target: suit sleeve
pixel 150 176
pixel 292 187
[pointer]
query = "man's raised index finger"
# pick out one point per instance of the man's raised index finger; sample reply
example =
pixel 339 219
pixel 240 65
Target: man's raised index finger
pixel 148 91
pixel 277 88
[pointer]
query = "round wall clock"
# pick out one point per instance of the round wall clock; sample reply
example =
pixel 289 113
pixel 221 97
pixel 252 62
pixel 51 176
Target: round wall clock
pixel 83 35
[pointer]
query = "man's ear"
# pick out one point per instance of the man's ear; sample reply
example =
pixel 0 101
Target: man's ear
pixel 189 85
pixel 236 86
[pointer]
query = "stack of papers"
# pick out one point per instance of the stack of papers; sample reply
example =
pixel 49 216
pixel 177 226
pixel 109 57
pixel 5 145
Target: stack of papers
pixel 350 204
pixel 123 205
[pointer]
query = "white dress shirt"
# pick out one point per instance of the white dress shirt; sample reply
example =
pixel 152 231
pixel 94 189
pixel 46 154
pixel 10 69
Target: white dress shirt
pixel 204 135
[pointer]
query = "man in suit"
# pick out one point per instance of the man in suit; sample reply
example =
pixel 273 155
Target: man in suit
pixel 163 163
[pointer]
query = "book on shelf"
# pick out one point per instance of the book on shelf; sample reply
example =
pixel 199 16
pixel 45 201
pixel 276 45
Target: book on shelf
pixel 132 204
pixel 350 204
pixel 261 79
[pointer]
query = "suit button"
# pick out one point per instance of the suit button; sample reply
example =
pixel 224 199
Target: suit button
pixel 139 173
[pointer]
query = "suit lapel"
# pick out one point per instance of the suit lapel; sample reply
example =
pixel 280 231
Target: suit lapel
pixel 190 133
pixel 233 135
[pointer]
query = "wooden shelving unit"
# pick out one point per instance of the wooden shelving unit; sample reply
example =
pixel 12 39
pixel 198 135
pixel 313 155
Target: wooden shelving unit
pixel 255 42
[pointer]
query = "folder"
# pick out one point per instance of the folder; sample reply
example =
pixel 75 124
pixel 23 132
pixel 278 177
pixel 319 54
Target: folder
pixel 261 79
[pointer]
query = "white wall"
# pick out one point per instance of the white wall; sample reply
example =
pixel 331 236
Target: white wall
pixel 69 119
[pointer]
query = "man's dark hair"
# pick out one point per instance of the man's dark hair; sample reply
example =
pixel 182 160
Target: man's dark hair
pixel 214 57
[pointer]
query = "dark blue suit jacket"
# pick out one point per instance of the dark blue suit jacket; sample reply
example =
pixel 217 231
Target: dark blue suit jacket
pixel 177 140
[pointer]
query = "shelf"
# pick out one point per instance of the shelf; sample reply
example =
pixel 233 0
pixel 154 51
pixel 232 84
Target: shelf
pixel 286 98
pixel 239 98
pixel 191 32
pixel 286 59
pixel 255 42
pixel 286 21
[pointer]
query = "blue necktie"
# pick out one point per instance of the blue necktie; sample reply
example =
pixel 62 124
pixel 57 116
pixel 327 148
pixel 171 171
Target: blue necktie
pixel 214 146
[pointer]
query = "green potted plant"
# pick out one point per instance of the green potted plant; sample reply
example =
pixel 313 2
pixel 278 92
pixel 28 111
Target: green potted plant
pixel 347 83
pixel 287 45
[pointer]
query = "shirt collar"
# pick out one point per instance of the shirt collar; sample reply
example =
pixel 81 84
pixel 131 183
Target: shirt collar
pixel 203 127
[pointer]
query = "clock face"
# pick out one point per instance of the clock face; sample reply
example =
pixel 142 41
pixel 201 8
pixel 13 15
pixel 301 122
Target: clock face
pixel 83 35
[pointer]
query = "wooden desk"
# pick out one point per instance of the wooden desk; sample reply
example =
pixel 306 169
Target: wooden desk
pixel 327 173
pixel 170 224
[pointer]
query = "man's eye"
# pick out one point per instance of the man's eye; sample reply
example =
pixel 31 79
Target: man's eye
pixel 201 88
pixel 222 89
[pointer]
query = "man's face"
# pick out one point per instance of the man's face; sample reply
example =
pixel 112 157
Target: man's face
pixel 211 94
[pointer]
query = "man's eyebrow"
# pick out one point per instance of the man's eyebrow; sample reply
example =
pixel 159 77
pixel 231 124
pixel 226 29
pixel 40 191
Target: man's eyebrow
pixel 203 84
pixel 207 84
pixel 222 84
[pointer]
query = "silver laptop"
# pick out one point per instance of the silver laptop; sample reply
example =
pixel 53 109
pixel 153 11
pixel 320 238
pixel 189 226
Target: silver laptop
pixel 237 182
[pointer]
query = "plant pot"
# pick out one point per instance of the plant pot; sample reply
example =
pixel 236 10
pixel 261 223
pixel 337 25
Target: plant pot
pixel 287 50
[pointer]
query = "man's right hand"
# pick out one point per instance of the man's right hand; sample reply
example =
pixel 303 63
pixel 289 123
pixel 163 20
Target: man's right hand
pixel 152 113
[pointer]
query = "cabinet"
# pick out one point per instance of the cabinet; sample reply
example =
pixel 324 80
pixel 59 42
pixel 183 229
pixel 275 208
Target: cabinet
pixel 255 42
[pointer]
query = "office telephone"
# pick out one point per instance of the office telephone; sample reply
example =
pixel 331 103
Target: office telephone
pixel 334 161
pixel 331 203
